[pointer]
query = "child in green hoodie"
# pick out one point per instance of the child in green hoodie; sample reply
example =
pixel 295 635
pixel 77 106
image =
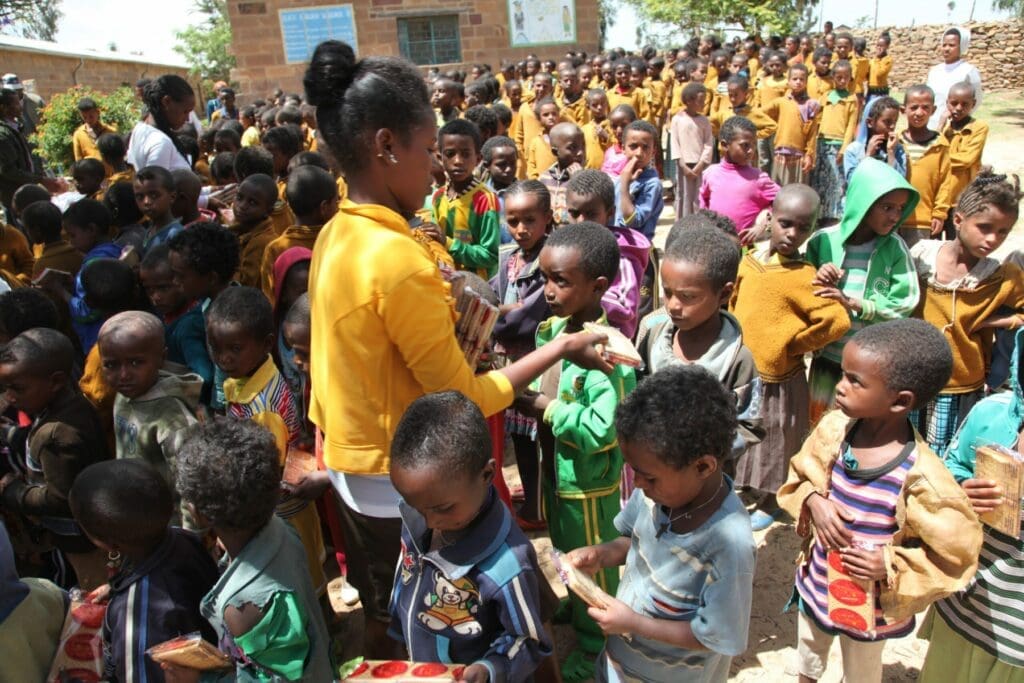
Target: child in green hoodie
pixel 153 406
pixel 863 264
pixel 581 496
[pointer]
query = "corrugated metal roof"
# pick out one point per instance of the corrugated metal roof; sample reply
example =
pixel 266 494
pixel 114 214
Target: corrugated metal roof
pixel 46 47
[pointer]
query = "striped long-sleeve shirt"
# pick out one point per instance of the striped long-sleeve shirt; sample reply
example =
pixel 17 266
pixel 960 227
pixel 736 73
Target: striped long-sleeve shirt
pixel 871 496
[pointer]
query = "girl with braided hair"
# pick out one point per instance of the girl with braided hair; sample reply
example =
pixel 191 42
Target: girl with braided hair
pixel 169 100
pixel 968 295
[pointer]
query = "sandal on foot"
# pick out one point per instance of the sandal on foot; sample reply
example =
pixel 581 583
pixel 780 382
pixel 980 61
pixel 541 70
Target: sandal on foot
pixel 761 520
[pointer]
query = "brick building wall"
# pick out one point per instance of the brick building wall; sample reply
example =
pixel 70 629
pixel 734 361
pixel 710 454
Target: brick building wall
pixel 55 70
pixel 483 30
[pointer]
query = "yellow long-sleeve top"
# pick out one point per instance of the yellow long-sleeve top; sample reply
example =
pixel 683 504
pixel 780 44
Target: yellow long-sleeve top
pixel 878 73
pixel 294 236
pixel 765 125
pixel 965 147
pixel 959 309
pixel 779 314
pixel 394 322
pixel 575 112
pixel 83 141
pixel 769 89
pixel 861 68
pixel 251 245
pixel 817 86
pixel 596 148
pixel 792 131
pixel 16 259
pixel 930 175
pixel 839 120
pixel 539 158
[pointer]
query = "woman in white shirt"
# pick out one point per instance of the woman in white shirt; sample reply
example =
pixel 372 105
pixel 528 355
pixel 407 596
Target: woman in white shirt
pixel 953 70
pixel 169 100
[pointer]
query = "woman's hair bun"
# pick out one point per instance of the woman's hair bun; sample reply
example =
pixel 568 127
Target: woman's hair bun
pixel 331 71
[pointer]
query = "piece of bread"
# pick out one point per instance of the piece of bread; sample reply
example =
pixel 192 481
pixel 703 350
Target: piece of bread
pixel 191 651
pixel 618 349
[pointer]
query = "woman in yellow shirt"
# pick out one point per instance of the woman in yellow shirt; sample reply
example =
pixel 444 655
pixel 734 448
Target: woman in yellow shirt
pixel 383 321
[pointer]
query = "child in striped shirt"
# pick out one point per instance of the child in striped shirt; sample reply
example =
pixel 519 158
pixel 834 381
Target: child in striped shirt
pixel 241 333
pixel 880 500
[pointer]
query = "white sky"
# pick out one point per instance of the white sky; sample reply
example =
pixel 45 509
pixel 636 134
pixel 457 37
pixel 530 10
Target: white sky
pixel 149 26
pixel 903 12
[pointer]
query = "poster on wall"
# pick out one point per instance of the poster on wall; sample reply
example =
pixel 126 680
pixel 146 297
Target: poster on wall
pixel 304 28
pixel 541 22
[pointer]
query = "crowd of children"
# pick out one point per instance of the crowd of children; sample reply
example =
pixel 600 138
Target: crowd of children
pixel 178 337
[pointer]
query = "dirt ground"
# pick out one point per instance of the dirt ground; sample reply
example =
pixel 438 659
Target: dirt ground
pixel 771 650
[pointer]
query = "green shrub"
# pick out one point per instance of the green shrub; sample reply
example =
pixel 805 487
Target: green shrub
pixel 60 118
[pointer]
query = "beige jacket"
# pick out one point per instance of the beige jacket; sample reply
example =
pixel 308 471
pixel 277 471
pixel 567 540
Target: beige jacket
pixel 938 537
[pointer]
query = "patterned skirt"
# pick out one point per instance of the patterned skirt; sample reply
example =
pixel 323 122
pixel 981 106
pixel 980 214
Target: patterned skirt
pixel 938 421
pixel 784 415
pixel 787 169
pixel 827 180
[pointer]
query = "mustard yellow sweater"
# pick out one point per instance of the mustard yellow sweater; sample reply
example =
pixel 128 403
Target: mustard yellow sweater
pixel 780 316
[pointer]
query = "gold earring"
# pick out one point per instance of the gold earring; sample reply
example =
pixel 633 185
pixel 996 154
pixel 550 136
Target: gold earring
pixel 392 158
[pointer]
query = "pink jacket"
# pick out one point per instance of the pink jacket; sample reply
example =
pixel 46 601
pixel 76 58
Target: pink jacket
pixel 739 192
pixel 622 300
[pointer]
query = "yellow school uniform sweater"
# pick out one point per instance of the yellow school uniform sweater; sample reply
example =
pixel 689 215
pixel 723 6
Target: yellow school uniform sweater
pixel 817 86
pixel 395 320
pixel 523 131
pixel 575 112
pixel 770 89
pixel 839 120
pixel 58 255
pixel 861 67
pixel 765 126
pixel 294 236
pixel 659 99
pixel 595 148
pixel 959 311
pixel 127 175
pixel 16 259
pixel 676 100
pixel 539 158
pixel 634 97
pixel 792 131
pixel 251 245
pixel 930 175
pixel 779 290
pixel 878 72
pixel 965 148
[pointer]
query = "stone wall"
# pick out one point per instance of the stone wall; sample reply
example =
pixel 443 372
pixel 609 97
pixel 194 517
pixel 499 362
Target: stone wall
pixel 483 28
pixel 55 72
pixel 997 50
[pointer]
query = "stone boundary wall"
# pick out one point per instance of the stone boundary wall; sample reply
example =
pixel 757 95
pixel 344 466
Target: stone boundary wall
pixel 997 49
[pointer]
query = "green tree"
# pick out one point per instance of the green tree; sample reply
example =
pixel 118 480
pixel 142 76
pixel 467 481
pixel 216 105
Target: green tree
pixel 755 16
pixel 61 118
pixel 30 18
pixel 1015 6
pixel 206 46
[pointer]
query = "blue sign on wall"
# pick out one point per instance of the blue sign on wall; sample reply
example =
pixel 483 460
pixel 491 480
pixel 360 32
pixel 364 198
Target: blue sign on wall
pixel 304 28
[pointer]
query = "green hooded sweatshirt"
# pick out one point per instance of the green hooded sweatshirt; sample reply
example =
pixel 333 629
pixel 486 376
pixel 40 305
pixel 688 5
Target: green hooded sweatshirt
pixel 891 289
pixel 588 462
